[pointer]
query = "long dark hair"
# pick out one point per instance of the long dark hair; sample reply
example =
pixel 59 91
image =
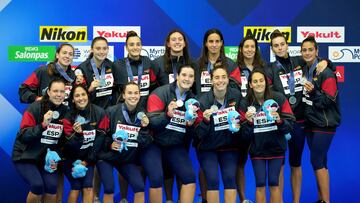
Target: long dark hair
pixel 51 66
pixel 93 43
pixel 74 110
pixel 45 100
pixel 250 92
pixel 258 61
pixel 167 55
pixel 205 51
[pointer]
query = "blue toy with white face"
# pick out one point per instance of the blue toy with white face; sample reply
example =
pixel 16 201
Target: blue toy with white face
pixel 122 137
pixel 51 158
pixel 191 106
pixel 79 170
pixel 268 107
pixel 234 120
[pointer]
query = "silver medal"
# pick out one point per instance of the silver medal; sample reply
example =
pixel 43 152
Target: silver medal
pixel 55 115
pixel 292 100
pixel 140 115
pixel 251 109
pixel 179 103
pixel 214 108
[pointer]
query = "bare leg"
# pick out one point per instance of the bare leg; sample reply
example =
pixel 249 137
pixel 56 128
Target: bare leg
pixel 230 196
pixel 213 196
pixel 260 195
pixel 32 198
pixel 296 178
pixel 187 193
pixel 240 181
pixel 155 195
pixel 139 197
pixel 88 195
pixel 323 181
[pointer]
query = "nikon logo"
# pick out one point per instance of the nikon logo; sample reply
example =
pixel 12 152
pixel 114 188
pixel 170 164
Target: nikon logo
pixel 262 34
pixel 63 33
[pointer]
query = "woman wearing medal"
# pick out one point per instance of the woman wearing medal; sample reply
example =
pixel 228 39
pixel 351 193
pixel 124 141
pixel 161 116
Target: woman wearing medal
pixel 322 114
pixel 212 53
pixel 286 74
pixel 176 54
pixel 35 86
pixel 248 59
pixel 97 73
pixel 85 127
pixel 170 129
pixel 266 132
pixel 41 129
pixel 135 68
pixel 216 145
pixel 130 119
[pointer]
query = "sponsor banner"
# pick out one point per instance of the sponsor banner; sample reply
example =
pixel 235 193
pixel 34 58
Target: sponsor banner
pixel 322 34
pixel 262 33
pixel 152 52
pixel 81 53
pixel 350 54
pixel 31 53
pixel 292 50
pixel 231 52
pixel 63 33
pixel 114 33
pixel 340 73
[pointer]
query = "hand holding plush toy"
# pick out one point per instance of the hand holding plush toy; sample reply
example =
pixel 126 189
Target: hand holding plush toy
pixel 51 160
pixel 269 107
pixel 79 170
pixel 192 106
pixel 234 121
pixel 121 137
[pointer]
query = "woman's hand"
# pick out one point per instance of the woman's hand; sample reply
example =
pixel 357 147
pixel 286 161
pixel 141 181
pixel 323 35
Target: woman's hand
pixel 171 107
pixel 77 127
pixel 144 121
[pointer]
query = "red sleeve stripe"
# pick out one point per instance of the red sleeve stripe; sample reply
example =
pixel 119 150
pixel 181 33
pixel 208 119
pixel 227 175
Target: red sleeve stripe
pixel 286 108
pixel 28 120
pixel 154 103
pixel 104 123
pixel 329 86
pixel 32 81
pixel 152 75
pixel 199 118
pixel 236 74
pixel 242 116
pixel 68 127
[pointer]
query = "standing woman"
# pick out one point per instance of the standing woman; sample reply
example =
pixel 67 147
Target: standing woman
pixel 249 58
pixel 85 127
pixel 167 121
pixel 268 144
pixel 121 154
pixel 216 145
pixel 212 54
pixel 97 73
pixel 35 86
pixel 135 68
pixel 176 54
pixel 41 128
pixel 322 114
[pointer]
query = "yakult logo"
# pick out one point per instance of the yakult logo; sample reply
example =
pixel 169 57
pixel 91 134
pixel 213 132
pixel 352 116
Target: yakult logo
pixel 322 34
pixel 114 33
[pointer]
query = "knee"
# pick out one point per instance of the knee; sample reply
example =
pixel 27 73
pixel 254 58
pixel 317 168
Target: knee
pixel 75 185
pixel 229 181
pixel 317 163
pixel 189 177
pixel 138 187
pixel 108 188
pixel 212 183
pixel 260 182
pixel 273 181
pixel 37 188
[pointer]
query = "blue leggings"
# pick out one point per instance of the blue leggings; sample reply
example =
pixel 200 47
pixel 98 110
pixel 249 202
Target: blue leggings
pixel 39 180
pixel 78 183
pixel 319 144
pixel 150 159
pixel 274 166
pixel 129 171
pixel 296 145
pixel 210 160
pixel 180 163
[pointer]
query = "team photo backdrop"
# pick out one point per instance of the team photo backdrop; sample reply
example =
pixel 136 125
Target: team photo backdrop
pixel 31 31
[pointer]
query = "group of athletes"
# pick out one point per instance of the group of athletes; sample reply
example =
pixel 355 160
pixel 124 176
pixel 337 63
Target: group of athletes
pixel 82 115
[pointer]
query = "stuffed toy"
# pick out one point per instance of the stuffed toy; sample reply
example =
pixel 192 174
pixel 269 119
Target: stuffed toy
pixel 233 119
pixel 121 136
pixel 51 158
pixel 192 106
pixel 79 170
pixel 271 106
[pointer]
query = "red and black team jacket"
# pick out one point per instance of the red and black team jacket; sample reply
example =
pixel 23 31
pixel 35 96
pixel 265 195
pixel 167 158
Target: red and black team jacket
pixel 169 131
pixel 33 138
pixel 166 77
pixel 239 79
pixel 101 96
pixel 279 75
pixel 203 78
pixel 37 83
pixel 322 108
pixel 267 138
pixel 149 78
pixel 138 137
pixel 214 134
pixel 85 145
